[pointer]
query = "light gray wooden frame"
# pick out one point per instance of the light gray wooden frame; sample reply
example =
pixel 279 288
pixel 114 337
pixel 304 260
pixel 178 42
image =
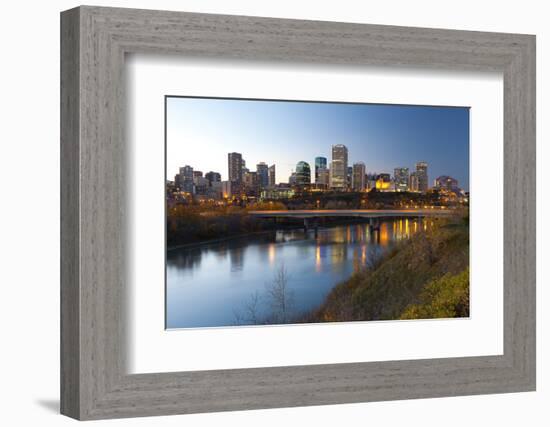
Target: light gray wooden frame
pixel 94 41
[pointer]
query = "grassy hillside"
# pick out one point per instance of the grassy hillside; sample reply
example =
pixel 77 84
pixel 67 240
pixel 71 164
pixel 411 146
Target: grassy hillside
pixel 426 276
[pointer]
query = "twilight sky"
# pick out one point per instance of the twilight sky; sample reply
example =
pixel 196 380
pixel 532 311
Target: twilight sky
pixel 201 131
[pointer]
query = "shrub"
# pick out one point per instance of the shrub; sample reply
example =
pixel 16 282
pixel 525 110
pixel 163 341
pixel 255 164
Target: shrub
pixel 448 296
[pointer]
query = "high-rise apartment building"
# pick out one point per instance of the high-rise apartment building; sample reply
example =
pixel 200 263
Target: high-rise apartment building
pixel 251 183
pixel 235 165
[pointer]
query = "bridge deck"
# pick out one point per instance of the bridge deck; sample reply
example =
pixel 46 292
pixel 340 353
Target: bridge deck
pixel 364 213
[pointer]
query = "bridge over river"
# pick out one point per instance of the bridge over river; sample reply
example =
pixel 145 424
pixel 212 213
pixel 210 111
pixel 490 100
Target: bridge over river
pixel 311 216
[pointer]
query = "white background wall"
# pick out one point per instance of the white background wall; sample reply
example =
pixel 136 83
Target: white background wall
pixel 29 224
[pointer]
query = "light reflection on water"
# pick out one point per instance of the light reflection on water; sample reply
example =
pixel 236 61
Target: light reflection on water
pixel 208 285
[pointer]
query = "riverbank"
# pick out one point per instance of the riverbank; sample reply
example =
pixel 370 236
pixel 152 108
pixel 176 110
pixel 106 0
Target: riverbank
pixel 274 227
pixel 220 240
pixel 426 276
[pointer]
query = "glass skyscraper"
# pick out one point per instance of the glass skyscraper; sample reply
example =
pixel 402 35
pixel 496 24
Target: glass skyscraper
pixel 263 174
pixel 320 163
pixel 422 176
pixel 303 173
pixel 339 167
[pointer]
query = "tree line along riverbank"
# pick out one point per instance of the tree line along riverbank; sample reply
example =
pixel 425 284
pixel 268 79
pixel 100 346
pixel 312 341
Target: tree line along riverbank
pixel 191 225
pixel 426 276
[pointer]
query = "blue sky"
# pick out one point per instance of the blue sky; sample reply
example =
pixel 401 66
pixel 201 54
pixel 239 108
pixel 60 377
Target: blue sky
pixel 201 131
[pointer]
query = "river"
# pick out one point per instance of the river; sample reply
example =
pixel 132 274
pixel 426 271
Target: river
pixel 233 282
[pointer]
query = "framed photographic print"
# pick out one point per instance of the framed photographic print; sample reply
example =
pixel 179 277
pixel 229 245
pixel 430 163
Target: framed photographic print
pixel 262 213
pixel 316 240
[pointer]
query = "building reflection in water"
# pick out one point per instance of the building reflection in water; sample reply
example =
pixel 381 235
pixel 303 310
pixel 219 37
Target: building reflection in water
pixel 362 243
pixel 304 250
pixel 236 258
pixel 338 254
pixel 205 283
pixel 318 258
pixel 384 234
pixel 188 260
pixel 321 253
pixel 271 250
pixel 331 243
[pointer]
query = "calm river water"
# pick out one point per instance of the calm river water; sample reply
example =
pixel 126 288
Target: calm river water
pixel 220 284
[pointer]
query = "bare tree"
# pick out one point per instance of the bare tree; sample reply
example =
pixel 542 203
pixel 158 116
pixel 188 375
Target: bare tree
pixel 277 295
pixel 280 297
pixel 249 314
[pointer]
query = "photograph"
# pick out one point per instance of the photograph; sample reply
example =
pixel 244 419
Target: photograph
pixel 285 212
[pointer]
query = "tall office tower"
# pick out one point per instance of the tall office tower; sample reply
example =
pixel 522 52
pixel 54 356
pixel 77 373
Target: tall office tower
pixel 401 179
pixel 358 176
pixel 303 173
pixel 320 162
pixel 263 174
pixel 349 176
pixel 213 177
pixel 413 181
pixel 422 173
pixel 235 164
pixel 186 179
pixel 339 167
pixel 324 178
pixel 271 176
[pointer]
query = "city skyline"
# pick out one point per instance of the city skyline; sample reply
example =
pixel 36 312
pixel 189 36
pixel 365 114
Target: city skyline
pixel 286 133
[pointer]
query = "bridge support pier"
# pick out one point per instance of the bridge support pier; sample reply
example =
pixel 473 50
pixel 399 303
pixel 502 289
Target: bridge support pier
pixel 316 227
pixel 374 229
pixel 374 224
pixel 311 222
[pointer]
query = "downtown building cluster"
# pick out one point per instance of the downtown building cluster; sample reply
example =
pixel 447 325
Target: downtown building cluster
pixel 336 175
